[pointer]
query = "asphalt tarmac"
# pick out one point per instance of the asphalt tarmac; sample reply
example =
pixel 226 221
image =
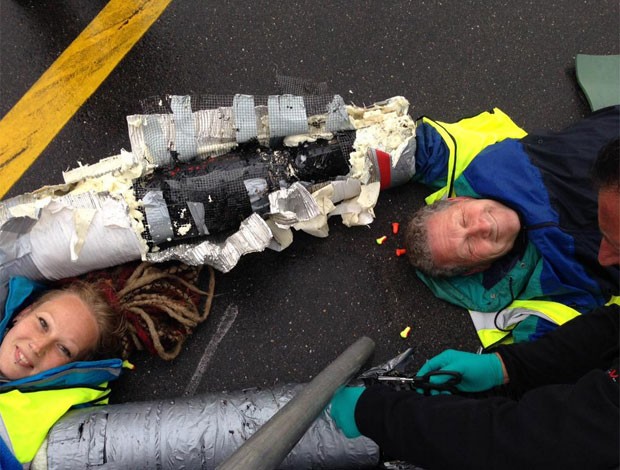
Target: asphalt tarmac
pixel 282 317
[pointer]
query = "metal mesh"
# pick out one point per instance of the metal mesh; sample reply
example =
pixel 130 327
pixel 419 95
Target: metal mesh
pixel 200 126
pixel 213 196
pixel 300 86
pixel 245 132
pixel 346 141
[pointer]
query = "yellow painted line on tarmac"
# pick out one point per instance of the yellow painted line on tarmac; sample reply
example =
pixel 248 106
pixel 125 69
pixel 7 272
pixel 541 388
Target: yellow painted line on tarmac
pixel 29 127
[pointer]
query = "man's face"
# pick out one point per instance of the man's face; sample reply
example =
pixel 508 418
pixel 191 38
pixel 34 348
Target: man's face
pixel 609 223
pixel 472 233
pixel 52 334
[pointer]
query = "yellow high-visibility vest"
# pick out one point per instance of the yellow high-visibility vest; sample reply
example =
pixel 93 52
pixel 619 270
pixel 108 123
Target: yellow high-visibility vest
pixel 487 323
pixel 27 417
pixel 473 135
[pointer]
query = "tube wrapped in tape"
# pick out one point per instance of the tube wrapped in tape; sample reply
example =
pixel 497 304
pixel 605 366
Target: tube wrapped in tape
pixel 196 432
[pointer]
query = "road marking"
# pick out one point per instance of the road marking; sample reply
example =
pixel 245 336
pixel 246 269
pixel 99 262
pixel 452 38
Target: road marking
pixel 226 322
pixel 29 127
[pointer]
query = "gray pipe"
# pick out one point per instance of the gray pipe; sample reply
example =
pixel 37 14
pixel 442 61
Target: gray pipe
pixel 266 449
pixel 198 432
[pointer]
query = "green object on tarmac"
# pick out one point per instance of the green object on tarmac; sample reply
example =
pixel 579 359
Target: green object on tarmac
pixel 599 78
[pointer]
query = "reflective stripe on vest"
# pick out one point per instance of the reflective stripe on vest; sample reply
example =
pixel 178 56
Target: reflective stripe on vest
pixel 490 326
pixel 29 416
pixel 467 138
pixel 615 299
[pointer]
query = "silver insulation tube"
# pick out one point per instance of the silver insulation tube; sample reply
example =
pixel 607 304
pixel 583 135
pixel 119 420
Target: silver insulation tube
pixel 195 432
pixel 266 449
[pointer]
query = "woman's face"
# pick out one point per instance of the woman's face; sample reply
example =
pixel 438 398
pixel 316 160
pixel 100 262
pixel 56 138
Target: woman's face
pixel 54 333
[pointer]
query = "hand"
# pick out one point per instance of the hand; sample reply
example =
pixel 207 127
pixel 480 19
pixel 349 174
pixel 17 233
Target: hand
pixel 480 371
pixel 342 410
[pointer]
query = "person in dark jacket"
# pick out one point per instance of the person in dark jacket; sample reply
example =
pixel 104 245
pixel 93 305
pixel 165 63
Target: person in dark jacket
pixel 551 403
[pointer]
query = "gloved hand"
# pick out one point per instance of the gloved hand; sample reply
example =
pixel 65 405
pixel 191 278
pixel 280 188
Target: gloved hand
pixel 480 371
pixel 343 410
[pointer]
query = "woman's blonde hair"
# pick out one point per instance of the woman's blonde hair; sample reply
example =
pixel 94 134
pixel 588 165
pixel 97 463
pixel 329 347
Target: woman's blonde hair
pixel 112 325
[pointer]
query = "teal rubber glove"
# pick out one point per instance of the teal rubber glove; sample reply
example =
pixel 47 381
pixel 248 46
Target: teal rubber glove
pixel 480 371
pixel 343 410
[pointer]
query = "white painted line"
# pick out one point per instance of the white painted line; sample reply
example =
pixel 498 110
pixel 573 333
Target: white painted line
pixel 230 315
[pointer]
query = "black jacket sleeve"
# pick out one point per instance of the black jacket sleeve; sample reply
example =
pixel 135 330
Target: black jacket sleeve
pixel 587 342
pixel 554 426
pixel 567 417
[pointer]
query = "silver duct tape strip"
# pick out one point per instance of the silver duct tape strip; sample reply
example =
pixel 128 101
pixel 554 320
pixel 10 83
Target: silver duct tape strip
pixel 292 205
pixel 287 115
pixel 156 137
pixel 215 127
pixel 204 133
pixel 216 132
pixel 337 116
pixel 37 234
pixel 404 169
pixel 197 432
pixel 15 247
pixel 245 117
pixel 14 242
pixel 157 216
pixel 185 127
pixel 253 235
pixel 197 210
pixel 23 266
pixel 77 233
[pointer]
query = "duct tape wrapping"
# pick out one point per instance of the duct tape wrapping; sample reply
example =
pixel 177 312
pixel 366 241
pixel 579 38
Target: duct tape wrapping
pixel 63 236
pixel 287 115
pixel 185 144
pixel 158 217
pixel 150 136
pixel 404 167
pixel 245 118
pixel 80 233
pixel 197 432
pixel 393 169
pixel 187 134
pixel 215 131
pixel 337 116
pixel 197 211
pixel 15 246
pixel 253 235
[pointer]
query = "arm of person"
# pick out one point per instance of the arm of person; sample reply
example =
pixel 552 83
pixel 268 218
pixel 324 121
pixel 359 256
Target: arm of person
pixel 562 356
pixel 555 426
